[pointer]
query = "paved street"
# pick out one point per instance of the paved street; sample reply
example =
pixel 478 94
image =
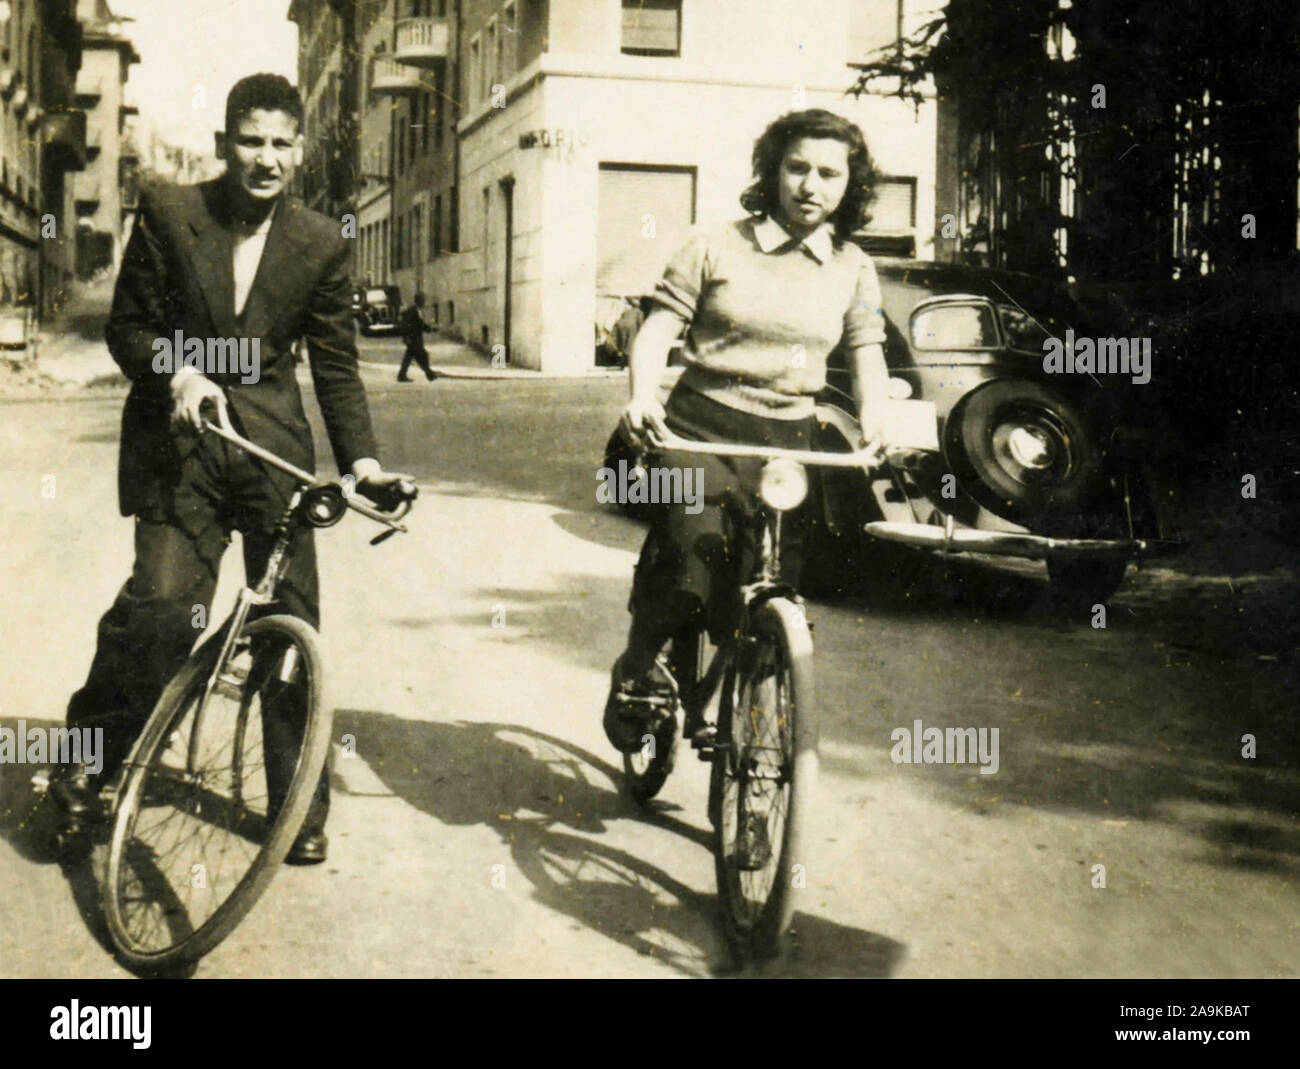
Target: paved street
pixel 479 829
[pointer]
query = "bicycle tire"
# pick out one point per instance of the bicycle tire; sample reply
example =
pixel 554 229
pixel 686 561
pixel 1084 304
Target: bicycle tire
pixel 756 921
pixel 171 712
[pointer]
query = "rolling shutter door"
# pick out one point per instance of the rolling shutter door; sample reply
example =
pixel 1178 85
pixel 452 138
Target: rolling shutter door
pixel 628 263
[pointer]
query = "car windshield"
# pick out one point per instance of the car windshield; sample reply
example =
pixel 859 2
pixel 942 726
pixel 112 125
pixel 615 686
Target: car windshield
pixel 1024 333
pixel 376 297
pixel 959 326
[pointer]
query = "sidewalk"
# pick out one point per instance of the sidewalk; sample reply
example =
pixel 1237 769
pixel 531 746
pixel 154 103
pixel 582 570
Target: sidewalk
pixel 455 359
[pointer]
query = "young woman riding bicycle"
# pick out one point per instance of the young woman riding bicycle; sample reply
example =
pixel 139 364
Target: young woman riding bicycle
pixel 763 300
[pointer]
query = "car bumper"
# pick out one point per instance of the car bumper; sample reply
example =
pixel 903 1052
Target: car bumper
pixel 952 539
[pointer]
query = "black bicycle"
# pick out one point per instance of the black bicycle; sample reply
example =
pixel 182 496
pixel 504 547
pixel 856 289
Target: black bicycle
pixel 203 811
pixel 750 710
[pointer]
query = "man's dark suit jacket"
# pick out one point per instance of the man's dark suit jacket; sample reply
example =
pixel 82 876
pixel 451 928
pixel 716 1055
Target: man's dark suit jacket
pixel 178 274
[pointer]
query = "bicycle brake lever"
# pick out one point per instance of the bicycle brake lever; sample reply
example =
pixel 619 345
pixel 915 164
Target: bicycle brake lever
pixel 383 535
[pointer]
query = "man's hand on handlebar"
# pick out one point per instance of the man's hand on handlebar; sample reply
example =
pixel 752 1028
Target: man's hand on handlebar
pixel 387 489
pixel 193 396
pixel 642 424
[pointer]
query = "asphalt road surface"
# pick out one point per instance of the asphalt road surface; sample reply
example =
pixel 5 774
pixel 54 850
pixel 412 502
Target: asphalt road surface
pixel 479 829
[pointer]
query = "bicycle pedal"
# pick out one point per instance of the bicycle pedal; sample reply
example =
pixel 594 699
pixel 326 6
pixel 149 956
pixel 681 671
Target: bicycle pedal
pixel 705 742
pixel 231 685
pixel 649 701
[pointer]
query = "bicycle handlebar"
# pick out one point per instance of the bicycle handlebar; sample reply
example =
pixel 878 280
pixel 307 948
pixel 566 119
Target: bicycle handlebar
pixel 388 519
pixel 860 458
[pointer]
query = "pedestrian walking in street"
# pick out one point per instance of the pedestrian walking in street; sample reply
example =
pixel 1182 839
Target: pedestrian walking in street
pixel 763 301
pixel 231 258
pixel 412 326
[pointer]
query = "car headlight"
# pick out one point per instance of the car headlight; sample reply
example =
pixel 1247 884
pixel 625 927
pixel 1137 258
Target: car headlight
pixel 784 484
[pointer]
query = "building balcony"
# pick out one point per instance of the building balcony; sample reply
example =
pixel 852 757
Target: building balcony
pixel 392 77
pixel 65 139
pixel 422 42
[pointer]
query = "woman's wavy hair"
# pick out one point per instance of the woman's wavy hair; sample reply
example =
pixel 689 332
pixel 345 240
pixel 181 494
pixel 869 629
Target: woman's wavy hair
pixel 763 196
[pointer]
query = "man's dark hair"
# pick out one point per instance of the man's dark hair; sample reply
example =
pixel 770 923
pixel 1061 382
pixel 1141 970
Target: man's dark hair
pixel 764 196
pixel 269 92
pixel 419 298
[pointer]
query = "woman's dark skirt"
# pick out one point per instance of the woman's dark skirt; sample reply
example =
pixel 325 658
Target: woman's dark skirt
pixel 687 557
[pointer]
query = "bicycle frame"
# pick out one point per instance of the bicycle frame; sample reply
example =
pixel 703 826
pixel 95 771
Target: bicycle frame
pixel 291 523
pixel 699 695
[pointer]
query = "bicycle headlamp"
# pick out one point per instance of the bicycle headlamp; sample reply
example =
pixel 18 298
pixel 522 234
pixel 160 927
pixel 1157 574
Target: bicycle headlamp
pixel 784 484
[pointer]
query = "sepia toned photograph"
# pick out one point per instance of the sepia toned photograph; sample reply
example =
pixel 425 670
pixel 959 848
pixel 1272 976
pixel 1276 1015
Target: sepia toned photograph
pixel 648 489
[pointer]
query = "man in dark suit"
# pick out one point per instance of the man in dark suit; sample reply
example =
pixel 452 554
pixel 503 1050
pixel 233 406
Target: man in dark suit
pixel 232 259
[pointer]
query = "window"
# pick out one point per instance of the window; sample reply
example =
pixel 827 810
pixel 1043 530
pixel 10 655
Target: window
pixel 894 206
pixel 453 222
pixel 435 227
pixel 439 106
pixel 652 27
pixel 417 232
pixel 426 119
pixel 487 223
pixel 474 66
pixel 510 38
pixel 490 57
pixel 963 326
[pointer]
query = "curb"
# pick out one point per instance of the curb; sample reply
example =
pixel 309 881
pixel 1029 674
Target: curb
pixel 455 372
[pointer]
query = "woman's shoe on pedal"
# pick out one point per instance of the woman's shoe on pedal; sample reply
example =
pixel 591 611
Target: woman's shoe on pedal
pixel 636 707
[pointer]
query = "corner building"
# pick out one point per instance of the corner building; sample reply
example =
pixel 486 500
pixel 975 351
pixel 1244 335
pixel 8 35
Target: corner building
pixel 595 133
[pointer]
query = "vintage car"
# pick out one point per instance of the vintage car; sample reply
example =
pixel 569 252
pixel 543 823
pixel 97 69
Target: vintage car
pixel 995 456
pixel 376 309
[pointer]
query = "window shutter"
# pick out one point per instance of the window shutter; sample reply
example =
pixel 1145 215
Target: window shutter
pixel 628 262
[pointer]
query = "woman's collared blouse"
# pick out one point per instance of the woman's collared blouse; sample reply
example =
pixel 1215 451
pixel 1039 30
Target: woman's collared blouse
pixel 764 310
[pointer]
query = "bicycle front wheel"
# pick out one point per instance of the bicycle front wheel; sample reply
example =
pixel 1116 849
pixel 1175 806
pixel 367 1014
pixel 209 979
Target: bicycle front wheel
pixel 763 777
pixel 202 822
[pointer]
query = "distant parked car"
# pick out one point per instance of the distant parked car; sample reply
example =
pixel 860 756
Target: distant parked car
pixel 1053 467
pixel 376 309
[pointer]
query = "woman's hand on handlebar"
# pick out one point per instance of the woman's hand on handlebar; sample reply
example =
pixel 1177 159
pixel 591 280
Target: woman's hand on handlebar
pixel 642 423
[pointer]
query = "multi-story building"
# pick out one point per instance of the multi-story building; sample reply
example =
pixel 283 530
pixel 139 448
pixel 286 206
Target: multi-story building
pixel 596 132
pixel 412 86
pixel 376 174
pixel 42 137
pixel 320 75
pixel 527 162
pixel 107 55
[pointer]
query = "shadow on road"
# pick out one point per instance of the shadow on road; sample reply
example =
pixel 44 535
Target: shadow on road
pixel 546 797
